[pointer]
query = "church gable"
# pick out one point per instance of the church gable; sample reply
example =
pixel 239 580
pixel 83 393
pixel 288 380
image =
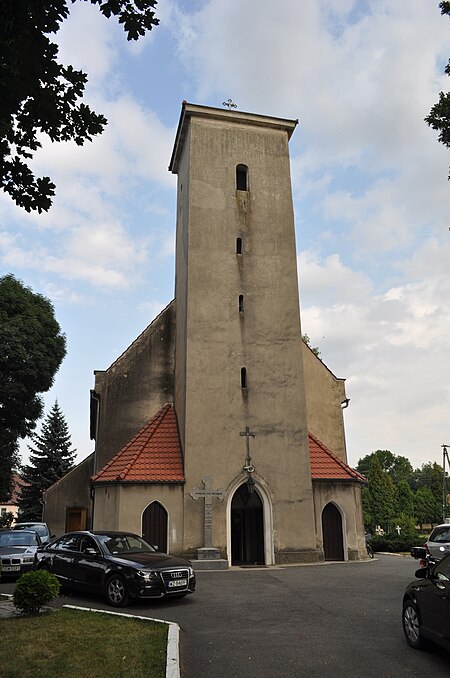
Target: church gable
pixel 152 456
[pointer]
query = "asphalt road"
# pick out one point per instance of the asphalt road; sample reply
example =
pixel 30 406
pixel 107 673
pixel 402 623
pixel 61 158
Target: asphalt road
pixel 334 620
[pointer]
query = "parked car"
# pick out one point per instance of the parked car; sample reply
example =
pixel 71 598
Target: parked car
pixel 17 551
pixel 438 543
pixel 40 528
pixel 120 565
pixel 426 603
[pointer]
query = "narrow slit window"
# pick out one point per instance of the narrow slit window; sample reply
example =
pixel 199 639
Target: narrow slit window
pixel 241 178
pixel 238 245
pixel 241 303
pixel 243 377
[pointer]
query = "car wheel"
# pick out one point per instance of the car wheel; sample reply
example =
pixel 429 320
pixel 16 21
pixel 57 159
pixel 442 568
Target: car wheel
pixel 116 591
pixel 411 625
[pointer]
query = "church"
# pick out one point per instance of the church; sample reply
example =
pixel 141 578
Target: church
pixel 219 434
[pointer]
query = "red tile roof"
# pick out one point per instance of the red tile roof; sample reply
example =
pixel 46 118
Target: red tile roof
pixel 327 466
pixel 153 456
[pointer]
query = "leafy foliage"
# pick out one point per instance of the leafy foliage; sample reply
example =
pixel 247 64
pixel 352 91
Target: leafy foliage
pixel 439 116
pixel 314 349
pixel 51 459
pixel 6 519
pixel 34 590
pixel 380 497
pixel 40 95
pixel 397 467
pixel 32 351
pixel 417 493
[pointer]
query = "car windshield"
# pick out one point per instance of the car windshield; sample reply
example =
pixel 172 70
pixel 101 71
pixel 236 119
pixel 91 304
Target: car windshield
pixel 40 529
pixel 18 538
pixel 124 543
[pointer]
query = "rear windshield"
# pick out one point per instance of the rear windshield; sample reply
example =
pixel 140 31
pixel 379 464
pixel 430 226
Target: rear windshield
pixel 441 534
pixel 40 529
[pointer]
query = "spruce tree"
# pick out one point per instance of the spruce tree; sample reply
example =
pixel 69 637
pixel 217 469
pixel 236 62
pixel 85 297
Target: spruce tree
pixel 50 459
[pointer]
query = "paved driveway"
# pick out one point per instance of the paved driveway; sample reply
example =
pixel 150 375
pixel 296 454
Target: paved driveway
pixel 336 620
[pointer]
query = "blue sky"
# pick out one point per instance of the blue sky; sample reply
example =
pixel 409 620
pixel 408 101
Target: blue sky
pixel 371 195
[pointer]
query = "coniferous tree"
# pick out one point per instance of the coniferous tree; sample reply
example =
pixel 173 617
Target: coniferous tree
pixel 381 496
pixel 50 459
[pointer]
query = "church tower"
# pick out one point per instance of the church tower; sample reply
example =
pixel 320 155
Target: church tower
pixel 239 381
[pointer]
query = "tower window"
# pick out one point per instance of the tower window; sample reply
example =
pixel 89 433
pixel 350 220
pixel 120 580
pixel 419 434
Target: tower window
pixel 243 377
pixel 241 178
pixel 238 245
pixel 241 303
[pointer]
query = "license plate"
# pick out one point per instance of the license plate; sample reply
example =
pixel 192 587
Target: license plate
pixel 177 582
pixel 10 568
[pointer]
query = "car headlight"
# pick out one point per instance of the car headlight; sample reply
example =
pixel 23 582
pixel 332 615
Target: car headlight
pixel 148 575
pixel 28 559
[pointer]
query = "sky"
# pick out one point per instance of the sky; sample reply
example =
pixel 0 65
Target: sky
pixel 369 181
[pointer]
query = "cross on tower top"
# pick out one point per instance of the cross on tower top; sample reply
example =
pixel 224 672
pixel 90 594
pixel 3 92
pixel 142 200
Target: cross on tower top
pixel 229 104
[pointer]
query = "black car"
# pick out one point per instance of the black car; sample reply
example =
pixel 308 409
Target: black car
pixel 17 551
pixel 120 565
pixel 426 604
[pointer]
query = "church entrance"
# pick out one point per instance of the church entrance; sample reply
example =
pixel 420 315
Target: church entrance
pixel 333 543
pixel 154 525
pixel 247 528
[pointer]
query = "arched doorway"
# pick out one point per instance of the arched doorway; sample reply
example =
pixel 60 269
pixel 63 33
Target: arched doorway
pixel 247 527
pixel 333 543
pixel 154 525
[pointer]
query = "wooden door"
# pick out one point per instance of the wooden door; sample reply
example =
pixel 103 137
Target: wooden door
pixel 333 543
pixel 154 525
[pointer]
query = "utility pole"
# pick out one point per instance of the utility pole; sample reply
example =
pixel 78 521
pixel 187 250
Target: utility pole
pixel 444 482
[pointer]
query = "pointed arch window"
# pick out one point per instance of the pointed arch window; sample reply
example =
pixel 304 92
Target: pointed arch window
pixel 241 178
pixel 238 245
pixel 243 377
pixel 241 303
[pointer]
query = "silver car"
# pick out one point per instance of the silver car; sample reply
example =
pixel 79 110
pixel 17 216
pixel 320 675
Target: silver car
pixel 438 543
pixel 40 528
pixel 17 551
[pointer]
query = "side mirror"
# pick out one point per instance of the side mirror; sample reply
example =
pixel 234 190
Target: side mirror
pixel 422 573
pixel 419 552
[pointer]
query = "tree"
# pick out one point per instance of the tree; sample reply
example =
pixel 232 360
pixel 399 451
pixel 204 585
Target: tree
pixel 39 95
pixel 439 116
pixel 424 506
pixel 50 460
pixel 398 467
pixel 380 496
pixel 430 475
pixel 32 349
pixel 404 500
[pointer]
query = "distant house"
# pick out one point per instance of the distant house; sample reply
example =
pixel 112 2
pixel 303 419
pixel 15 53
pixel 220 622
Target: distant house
pixel 11 506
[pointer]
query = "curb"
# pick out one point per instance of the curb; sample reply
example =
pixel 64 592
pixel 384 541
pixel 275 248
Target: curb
pixel 173 636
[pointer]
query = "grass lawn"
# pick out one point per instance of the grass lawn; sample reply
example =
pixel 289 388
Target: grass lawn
pixel 71 643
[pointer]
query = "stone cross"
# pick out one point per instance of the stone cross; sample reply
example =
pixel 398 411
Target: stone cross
pixel 207 493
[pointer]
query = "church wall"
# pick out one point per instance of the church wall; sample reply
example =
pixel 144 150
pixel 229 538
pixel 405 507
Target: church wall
pixel 71 491
pixel 324 395
pixel 128 502
pixel 347 497
pixel 135 386
pixel 181 290
pixel 264 338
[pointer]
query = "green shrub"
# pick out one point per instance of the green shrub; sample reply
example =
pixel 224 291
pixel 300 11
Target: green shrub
pixel 34 590
pixel 396 543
